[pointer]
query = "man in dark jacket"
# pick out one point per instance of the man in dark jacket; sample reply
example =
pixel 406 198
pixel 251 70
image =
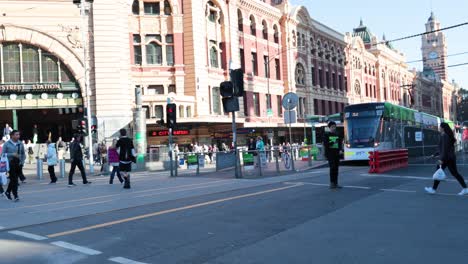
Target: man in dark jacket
pixel 14 149
pixel 76 157
pixel 332 145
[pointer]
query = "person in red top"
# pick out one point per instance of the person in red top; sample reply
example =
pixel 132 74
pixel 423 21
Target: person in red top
pixel 113 159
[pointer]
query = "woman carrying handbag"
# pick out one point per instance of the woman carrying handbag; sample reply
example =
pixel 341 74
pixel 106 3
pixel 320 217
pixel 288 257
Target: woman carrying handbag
pixel 447 158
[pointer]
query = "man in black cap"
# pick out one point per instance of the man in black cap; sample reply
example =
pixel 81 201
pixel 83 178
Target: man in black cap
pixel 333 144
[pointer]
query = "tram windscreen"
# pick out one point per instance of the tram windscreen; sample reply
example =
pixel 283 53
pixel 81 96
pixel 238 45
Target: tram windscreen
pixel 362 128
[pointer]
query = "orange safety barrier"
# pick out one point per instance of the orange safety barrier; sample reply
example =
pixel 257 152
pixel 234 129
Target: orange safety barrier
pixel 385 160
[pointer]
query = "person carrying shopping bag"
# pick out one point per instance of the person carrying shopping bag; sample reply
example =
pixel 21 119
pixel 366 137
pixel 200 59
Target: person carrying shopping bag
pixel 4 168
pixel 113 159
pixel 447 159
pixel 51 161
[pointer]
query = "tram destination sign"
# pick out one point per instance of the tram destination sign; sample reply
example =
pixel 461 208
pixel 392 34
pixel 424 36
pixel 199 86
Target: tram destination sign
pixel 29 88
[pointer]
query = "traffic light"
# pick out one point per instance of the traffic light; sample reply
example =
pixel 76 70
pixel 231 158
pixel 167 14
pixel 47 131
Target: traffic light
pixel 230 101
pixel 82 126
pixel 237 78
pixel 93 129
pixel 77 2
pixel 171 115
pixel 226 89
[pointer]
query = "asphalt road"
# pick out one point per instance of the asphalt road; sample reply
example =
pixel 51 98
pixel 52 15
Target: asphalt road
pixel 289 219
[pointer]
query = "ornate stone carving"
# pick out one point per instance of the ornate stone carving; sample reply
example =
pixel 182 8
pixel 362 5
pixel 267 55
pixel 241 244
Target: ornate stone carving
pixel 73 36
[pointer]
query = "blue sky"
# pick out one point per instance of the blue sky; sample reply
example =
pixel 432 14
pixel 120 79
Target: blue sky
pixel 400 18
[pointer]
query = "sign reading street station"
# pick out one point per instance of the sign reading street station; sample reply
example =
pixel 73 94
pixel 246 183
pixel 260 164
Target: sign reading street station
pixel 23 88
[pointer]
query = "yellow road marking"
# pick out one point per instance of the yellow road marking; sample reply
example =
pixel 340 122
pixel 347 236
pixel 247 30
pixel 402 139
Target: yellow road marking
pixel 125 220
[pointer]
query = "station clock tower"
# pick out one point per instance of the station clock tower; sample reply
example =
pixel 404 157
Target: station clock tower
pixel 434 48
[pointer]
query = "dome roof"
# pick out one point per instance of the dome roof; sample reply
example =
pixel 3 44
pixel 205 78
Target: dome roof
pixel 432 17
pixel 363 32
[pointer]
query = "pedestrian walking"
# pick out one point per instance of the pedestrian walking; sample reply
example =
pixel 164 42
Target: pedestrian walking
pixel 76 157
pixel 30 148
pixel 4 168
pixel 35 134
pixel 103 154
pixel 14 149
pixel 113 159
pixel 61 148
pixel 332 144
pixel 260 147
pixel 52 160
pixel 447 158
pixel 7 131
pixel 127 155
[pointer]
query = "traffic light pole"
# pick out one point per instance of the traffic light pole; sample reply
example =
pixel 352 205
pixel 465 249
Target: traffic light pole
pixel 171 152
pixel 86 86
pixel 234 139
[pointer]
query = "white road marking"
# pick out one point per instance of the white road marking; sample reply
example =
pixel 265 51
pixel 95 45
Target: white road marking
pixel 76 248
pixel 8 210
pixel 27 235
pixel 402 177
pixel 357 187
pixel 1 227
pixel 397 190
pixel 182 190
pixel 71 206
pixel 125 261
pixel 327 185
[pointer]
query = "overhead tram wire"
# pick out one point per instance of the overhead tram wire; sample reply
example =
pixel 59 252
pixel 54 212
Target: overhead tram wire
pixel 422 34
pixel 457 65
pixel 450 55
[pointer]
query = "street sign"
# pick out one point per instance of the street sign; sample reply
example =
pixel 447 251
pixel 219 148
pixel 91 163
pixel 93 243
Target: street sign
pixel 290 117
pixel 290 101
pixel 270 134
pixel 269 112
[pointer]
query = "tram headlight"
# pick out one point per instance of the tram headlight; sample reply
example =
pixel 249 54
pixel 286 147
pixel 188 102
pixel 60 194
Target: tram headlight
pixel 348 145
pixel 376 144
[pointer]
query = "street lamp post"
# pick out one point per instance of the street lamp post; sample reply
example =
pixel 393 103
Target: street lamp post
pixel 86 83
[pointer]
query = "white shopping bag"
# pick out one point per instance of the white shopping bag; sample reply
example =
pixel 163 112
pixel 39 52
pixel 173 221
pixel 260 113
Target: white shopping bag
pixel 439 175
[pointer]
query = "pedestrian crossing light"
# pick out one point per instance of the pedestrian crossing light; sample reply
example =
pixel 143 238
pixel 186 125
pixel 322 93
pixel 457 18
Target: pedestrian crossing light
pixel 94 129
pixel 171 115
pixel 82 125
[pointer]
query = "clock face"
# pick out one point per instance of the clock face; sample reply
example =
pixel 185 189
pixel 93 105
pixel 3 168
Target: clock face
pixel 433 55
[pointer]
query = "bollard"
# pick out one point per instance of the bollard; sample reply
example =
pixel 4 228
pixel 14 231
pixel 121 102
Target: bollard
pixel 177 163
pixel 277 162
pixel 62 168
pixel 292 161
pixel 310 157
pixel 39 168
pixel 198 164
pixel 259 162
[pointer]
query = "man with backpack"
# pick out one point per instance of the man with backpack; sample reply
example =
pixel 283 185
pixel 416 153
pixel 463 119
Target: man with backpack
pixel 127 155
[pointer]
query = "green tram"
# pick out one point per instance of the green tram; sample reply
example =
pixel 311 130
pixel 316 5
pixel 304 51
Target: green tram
pixel 385 126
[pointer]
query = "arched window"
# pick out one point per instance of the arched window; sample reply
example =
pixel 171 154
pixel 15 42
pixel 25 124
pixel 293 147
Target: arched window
pixel 276 34
pixel 240 21
pixel 214 57
pixel 34 65
pixel 265 29
pixel 300 74
pixel 253 29
pixel 154 53
pixel 167 8
pixel 136 7
pixel 30 64
pixel 212 12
